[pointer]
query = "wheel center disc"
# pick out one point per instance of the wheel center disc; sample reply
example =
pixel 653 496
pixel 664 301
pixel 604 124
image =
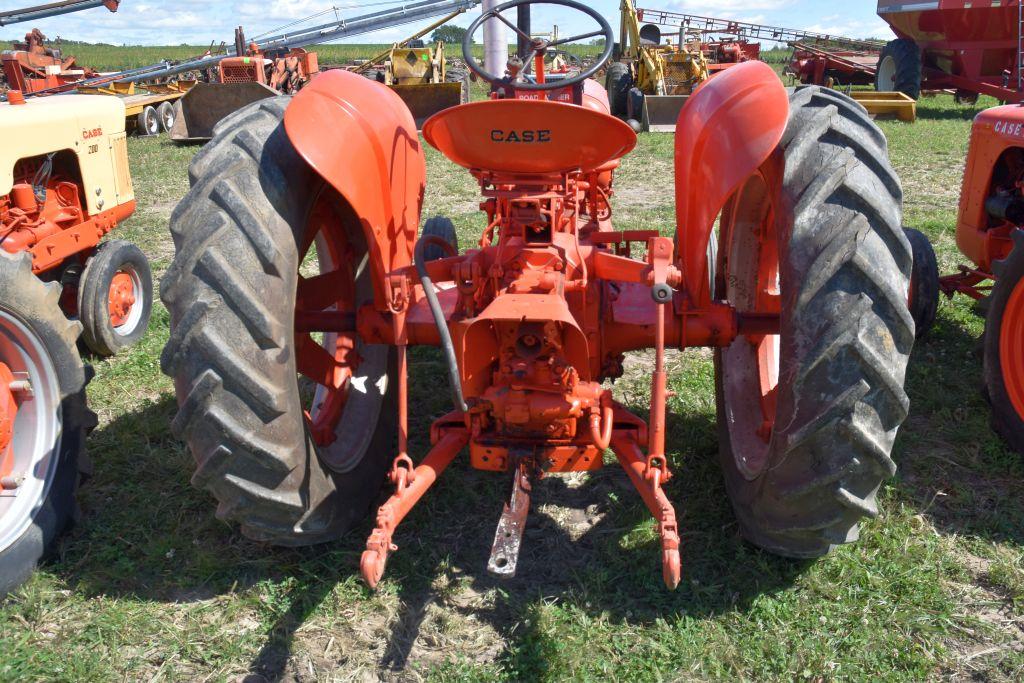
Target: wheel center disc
pixel 1011 349
pixel 8 413
pixel 121 298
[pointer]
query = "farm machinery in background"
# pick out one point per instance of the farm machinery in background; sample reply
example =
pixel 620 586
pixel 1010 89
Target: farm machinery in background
pixel 418 73
pixel 64 186
pixel 301 280
pixel 275 65
pixel 818 58
pixel 990 233
pixel 649 82
pixel 35 69
pixel 970 48
pixel 31 65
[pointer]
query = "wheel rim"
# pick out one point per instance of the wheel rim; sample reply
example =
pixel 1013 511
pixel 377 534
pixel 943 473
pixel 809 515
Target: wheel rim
pixel 168 118
pixel 125 301
pixel 1011 348
pixel 152 122
pixel 887 74
pixel 35 445
pixel 750 365
pixel 350 377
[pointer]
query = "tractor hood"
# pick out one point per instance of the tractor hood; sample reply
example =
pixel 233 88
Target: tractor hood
pixel 67 122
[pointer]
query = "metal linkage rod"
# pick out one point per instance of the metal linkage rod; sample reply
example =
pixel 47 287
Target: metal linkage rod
pixel 52 10
pixel 346 28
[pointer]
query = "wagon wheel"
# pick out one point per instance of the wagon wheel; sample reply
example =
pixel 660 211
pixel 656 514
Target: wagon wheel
pixel 292 431
pixel 1004 347
pixel 166 113
pixel 43 419
pixel 148 122
pixel 807 418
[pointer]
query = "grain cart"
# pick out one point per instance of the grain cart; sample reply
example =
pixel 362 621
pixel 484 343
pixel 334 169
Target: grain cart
pixel 809 317
pixel 972 48
pixel 65 185
pixel 990 233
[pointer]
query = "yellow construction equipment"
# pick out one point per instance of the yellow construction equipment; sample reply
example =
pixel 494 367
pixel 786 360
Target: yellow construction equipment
pixel 418 73
pixel 652 81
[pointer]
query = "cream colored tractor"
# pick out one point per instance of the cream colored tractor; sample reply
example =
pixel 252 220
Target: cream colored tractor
pixel 64 185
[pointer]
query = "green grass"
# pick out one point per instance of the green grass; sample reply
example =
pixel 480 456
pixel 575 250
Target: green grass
pixel 152 586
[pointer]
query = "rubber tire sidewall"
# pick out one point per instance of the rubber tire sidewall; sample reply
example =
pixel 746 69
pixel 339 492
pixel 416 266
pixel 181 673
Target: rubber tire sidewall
pixel 98 333
pixel 779 508
pixel 907 57
pixel 1005 420
pixel 618 82
pixel 58 508
pixel 164 107
pixel 226 162
pixel 142 122
pixel 924 285
pixel 439 226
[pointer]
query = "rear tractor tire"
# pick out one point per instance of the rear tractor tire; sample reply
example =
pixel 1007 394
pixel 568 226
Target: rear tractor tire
pixel 293 461
pixel 1004 347
pixel 807 419
pixel 42 454
pixel 115 298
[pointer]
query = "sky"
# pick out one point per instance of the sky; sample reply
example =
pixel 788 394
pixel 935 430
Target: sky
pixel 200 22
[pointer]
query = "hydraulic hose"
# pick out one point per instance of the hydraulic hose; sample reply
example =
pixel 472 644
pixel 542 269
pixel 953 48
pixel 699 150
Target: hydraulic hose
pixel 447 346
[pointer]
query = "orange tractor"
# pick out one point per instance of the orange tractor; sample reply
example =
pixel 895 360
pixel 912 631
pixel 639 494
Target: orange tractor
pixel 300 284
pixel 990 232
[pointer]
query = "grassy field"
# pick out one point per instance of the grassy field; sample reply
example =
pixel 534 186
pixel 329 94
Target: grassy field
pixel 151 586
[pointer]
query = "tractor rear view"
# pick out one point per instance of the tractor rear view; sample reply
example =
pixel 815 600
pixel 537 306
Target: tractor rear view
pixel 293 386
pixel 64 185
pixel 990 233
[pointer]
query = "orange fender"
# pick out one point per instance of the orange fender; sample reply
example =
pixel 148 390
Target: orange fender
pixel 731 125
pixel 360 137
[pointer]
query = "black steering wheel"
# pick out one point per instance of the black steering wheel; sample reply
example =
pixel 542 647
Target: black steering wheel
pixel 538 45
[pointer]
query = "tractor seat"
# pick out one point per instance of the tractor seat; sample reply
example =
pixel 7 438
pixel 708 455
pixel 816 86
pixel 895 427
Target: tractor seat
pixel 529 137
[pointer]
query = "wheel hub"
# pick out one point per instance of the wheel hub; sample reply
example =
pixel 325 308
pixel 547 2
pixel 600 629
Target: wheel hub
pixel 1011 349
pixel 121 298
pixel 8 414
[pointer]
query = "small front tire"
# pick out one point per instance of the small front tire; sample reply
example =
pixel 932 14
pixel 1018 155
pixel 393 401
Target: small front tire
pixel 115 298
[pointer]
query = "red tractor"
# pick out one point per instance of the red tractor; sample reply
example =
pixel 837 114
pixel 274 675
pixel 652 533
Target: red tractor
pixel 300 284
pixel 990 233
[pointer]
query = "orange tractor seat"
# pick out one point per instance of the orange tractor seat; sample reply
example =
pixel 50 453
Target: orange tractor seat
pixel 530 137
